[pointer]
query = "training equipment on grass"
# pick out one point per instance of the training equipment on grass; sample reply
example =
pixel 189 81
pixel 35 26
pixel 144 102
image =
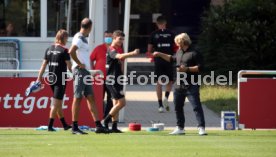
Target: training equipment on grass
pixel 228 120
pixel 134 127
pixel 159 126
pixel 44 127
pixel 84 127
pixel 152 129
pixel 34 86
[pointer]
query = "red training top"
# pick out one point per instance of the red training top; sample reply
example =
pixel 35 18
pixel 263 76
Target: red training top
pixel 99 56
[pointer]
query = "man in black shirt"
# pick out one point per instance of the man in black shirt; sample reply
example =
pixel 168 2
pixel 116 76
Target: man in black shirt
pixel 161 40
pixel 58 60
pixel 190 63
pixel 114 60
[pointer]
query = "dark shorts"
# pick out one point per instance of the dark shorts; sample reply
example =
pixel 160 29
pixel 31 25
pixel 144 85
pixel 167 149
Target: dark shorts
pixel 59 91
pixel 164 68
pixel 116 91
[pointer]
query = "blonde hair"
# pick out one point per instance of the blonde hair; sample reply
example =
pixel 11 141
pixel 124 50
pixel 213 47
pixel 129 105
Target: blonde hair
pixel 60 36
pixel 183 39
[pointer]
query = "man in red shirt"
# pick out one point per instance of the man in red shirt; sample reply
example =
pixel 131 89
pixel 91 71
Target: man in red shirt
pixel 98 62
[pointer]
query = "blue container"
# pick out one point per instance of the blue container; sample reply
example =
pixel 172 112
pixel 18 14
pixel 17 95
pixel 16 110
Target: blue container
pixel 228 120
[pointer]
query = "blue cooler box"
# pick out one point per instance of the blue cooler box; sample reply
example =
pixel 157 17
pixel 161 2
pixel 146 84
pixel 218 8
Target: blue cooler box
pixel 228 120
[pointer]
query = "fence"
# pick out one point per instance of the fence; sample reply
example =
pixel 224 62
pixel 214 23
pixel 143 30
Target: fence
pixel 10 55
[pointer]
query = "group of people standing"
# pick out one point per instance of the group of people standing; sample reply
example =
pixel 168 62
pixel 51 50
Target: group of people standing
pixel 162 44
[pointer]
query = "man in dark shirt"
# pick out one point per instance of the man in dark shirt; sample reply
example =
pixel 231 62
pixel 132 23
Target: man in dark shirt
pixel 114 62
pixel 161 40
pixel 58 59
pixel 189 63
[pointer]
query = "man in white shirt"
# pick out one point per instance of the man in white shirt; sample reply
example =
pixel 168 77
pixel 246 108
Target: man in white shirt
pixel 80 53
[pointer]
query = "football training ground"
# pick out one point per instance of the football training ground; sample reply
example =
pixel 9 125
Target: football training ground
pixel 31 143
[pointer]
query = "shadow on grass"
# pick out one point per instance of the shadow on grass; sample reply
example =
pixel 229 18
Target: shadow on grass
pixel 34 134
pixel 211 133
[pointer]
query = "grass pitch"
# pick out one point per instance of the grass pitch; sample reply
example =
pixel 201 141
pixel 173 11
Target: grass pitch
pixel 31 143
pixel 219 98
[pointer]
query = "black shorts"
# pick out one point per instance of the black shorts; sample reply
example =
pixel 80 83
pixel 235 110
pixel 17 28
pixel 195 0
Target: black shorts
pixel 164 68
pixel 59 91
pixel 116 91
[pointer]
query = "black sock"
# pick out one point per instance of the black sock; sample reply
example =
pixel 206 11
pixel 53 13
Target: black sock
pixel 114 125
pixel 106 125
pixel 98 124
pixel 64 124
pixel 107 119
pixel 51 122
pixel 160 103
pixel 75 125
pixel 167 94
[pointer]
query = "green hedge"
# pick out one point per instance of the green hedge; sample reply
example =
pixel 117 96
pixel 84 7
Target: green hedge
pixel 239 35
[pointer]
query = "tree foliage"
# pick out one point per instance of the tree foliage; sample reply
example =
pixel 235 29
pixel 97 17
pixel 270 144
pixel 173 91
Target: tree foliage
pixel 240 35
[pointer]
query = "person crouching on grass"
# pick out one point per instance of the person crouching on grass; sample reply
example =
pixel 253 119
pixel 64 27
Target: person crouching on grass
pixel 58 60
pixel 114 61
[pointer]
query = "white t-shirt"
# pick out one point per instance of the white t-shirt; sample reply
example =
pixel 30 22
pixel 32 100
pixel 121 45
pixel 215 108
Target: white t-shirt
pixel 83 52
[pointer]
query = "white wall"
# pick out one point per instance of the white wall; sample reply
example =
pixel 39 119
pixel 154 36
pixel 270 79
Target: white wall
pixel 32 54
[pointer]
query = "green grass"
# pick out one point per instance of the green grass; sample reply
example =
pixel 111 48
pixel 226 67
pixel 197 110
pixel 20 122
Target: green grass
pixel 31 143
pixel 219 98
